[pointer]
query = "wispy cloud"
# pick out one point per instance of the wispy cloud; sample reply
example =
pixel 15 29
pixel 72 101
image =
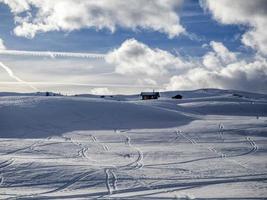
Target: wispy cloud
pixel 12 75
pixel 51 54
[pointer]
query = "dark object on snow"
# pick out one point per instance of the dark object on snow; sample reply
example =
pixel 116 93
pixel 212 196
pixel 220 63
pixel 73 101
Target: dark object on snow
pixel 102 96
pixel 47 94
pixel 237 95
pixel 149 95
pixel 178 96
pixel 127 156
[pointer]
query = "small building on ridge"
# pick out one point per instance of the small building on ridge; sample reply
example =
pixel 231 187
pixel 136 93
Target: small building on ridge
pixel 149 95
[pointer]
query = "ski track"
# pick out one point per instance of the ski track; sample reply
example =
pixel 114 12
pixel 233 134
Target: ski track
pixel 6 163
pixel 192 141
pixel 253 145
pixel 221 130
pixel 220 154
pixel 82 152
pixel 3 165
pixel 114 180
pixel 70 183
pixel 138 163
pixel 105 147
pixel 31 147
pixel 111 180
pixel 1 180
pixel 111 177
pixel 107 181
pixel 95 140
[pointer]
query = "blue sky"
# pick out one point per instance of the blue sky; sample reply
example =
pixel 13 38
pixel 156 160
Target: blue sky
pixel 202 25
pixel 193 18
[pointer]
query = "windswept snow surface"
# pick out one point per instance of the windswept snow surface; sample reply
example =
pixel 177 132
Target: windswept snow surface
pixel 212 144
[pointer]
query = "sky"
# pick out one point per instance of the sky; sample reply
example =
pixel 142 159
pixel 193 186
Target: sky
pixel 125 47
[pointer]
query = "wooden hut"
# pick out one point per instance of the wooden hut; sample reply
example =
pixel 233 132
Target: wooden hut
pixel 149 95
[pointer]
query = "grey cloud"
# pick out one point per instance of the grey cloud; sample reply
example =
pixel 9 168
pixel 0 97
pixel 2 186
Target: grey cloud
pixel 245 12
pixel 69 15
pixel 236 74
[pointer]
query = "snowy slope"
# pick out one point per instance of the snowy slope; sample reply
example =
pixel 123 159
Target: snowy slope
pixel 47 116
pixel 209 145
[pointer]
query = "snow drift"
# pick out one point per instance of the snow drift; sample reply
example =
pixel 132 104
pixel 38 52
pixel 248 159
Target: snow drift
pixel 34 117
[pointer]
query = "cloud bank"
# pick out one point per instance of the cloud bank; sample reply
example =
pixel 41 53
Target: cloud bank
pixel 35 16
pixel 218 68
pixel 221 68
pixel 101 91
pixel 249 13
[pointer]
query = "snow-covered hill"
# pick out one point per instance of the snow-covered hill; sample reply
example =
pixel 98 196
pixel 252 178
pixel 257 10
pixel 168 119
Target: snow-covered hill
pixel 209 144
pixel 35 117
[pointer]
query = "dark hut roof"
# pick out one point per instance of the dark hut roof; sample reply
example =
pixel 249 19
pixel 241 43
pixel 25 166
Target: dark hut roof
pixel 149 93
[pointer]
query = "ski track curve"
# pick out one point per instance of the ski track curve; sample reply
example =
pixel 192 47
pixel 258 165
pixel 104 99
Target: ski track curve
pixel 220 154
pixel 138 163
pixel 111 180
pixel 253 145
pixel 111 177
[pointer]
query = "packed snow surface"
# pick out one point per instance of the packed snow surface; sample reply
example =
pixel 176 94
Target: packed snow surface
pixel 211 144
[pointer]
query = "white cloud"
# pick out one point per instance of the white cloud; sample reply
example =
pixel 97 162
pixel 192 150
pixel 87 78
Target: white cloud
pixel 136 58
pixel 2 45
pixel 34 16
pixel 232 74
pixel 101 91
pixel 222 52
pixel 139 66
pixel 245 12
pixel 17 6
pixel 220 56
pixel 218 68
pixel 147 81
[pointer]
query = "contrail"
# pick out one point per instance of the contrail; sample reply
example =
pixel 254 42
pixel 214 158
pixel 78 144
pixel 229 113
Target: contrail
pixel 12 75
pixel 52 54
pixel 87 84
